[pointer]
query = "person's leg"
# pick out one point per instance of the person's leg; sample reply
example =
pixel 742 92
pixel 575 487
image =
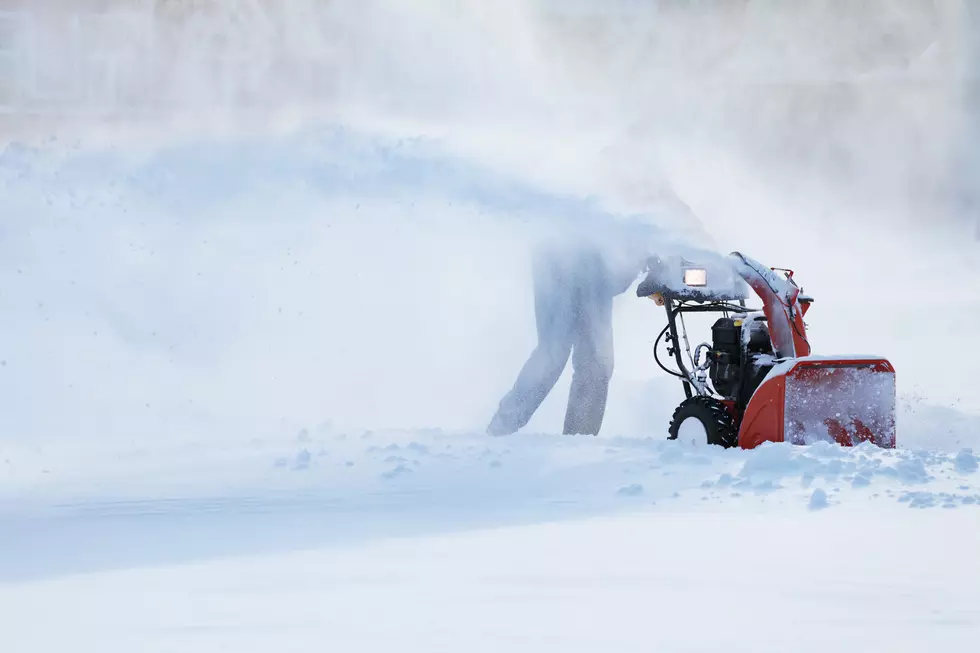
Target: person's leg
pixel 593 360
pixel 554 317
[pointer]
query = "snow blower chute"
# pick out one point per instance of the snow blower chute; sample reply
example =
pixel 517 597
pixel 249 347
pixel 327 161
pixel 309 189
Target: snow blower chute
pixel 765 383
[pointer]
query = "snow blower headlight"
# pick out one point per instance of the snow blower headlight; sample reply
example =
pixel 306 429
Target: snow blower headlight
pixel 696 277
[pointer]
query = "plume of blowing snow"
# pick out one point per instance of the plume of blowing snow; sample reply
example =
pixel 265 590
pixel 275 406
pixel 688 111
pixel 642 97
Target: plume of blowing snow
pixel 265 215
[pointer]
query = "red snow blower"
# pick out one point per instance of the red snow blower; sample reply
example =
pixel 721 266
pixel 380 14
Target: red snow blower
pixel 765 384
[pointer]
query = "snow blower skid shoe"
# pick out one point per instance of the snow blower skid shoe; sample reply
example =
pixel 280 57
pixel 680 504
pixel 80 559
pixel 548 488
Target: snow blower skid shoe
pixel 757 381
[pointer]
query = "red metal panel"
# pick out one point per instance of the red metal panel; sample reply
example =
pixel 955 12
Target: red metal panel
pixel 763 420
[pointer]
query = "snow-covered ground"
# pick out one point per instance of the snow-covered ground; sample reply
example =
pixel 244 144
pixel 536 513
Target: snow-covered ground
pixel 864 579
pixel 245 372
pixel 446 541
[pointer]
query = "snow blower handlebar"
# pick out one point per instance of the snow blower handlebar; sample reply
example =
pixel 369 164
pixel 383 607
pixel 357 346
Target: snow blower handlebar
pixel 716 284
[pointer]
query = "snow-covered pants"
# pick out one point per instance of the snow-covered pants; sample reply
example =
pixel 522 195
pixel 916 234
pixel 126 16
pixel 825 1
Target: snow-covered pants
pixel 573 299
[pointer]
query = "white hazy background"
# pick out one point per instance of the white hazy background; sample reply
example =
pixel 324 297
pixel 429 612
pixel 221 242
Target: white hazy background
pixel 215 218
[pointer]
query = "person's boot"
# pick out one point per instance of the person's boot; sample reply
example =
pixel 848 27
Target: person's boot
pixel 497 427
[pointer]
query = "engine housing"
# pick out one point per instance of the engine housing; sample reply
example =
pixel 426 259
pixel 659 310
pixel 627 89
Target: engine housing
pixel 726 356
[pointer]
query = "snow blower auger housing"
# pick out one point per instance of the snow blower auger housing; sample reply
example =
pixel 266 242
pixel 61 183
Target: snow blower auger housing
pixel 757 380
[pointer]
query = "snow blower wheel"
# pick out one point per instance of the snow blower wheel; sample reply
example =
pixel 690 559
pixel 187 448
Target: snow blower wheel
pixel 703 421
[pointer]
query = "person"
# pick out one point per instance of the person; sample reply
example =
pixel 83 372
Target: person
pixel 576 276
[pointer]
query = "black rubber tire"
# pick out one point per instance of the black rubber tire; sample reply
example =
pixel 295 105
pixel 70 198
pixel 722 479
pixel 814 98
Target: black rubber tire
pixel 717 421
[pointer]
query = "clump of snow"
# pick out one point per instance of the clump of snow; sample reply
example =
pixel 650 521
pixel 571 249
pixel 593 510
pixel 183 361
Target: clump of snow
pixel 400 470
pixel 725 480
pixel 418 448
pixel 926 499
pixel 632 490
pixel 818 500
pixel 862 479
pixel 302 460
pixel 772 458
pixel 912 470
pixel 966 462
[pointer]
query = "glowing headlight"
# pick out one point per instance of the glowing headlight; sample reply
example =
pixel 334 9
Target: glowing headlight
pixel 696 277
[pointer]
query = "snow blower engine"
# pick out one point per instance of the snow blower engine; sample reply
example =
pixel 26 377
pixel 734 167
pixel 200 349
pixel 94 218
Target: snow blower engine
pixel 757 381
